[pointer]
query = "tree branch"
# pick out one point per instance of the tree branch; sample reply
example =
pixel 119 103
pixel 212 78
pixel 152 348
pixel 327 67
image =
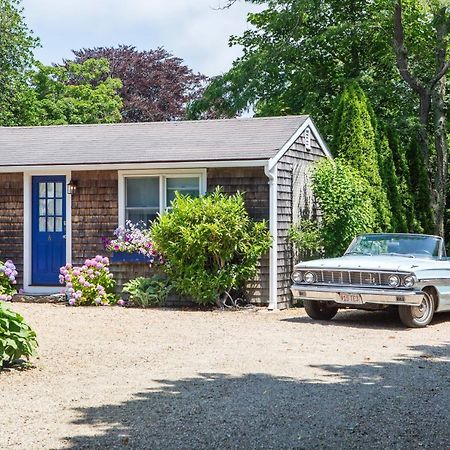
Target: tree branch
pixel 228 4
pixel 401 53
pixel 440 74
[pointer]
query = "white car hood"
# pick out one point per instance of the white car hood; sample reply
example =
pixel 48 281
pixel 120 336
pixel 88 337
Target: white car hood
pixel 385 263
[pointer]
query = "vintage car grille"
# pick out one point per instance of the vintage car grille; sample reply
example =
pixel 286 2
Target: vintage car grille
pixel 353 278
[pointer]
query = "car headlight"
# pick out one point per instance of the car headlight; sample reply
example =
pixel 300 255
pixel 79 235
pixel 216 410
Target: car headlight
pixel 310 277
pixel 409 281
pixel 297 276
pixel 394 281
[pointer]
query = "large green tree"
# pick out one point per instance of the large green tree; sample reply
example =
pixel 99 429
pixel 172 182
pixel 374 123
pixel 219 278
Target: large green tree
pixel 66 95
pixel 421 44
pixel 300 54
pixel 16 59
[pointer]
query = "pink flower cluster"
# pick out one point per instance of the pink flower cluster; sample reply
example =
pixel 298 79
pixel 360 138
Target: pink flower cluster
pixel 89 283
pixel 134 239
pixel 8 274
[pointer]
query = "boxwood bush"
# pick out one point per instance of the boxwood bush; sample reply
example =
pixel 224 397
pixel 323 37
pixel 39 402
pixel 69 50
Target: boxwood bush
pixel 210 245
pixel 17 339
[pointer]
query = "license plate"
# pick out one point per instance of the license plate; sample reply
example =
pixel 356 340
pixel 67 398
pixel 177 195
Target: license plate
pixel 352 299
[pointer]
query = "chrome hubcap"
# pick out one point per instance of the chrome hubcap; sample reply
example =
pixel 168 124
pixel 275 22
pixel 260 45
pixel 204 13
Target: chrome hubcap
pixel 423 312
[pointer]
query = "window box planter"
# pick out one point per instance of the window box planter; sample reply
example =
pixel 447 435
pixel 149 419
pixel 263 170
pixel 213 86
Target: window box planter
pixel 126 257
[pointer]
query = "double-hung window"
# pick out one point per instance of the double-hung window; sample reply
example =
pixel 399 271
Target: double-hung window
pixel 144 195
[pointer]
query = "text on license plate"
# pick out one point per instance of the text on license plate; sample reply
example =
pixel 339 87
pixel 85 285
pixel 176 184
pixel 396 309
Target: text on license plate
pixel 350 298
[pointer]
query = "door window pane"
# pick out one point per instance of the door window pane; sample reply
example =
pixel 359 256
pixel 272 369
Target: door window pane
pixel 58 224
pixel 50 190
pixel 42 227
pixel 50 207
pixel 58 207
pixel 42 207
pixel 50 224
pixel 186 186
pixel 42 190
pixel 58 189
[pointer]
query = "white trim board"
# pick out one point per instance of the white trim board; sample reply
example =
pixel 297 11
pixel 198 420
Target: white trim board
pixel 136 166
pixel 27 229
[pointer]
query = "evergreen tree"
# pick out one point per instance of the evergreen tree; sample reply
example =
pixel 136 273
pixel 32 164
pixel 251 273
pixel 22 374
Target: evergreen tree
pixel 402 171
pixel 355 142
pixel 391 185
pixel 420 187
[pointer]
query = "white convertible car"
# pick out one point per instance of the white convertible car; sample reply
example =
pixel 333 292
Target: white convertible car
pixel 408 271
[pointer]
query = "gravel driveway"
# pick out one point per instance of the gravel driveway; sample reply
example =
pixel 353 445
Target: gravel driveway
pixel 165 379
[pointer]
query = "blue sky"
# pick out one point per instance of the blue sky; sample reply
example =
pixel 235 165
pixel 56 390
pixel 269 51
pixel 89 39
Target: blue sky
pixel 191 29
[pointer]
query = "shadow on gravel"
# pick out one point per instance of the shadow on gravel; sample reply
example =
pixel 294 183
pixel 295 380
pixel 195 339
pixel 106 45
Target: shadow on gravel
pixel 365 319
pixel 401 404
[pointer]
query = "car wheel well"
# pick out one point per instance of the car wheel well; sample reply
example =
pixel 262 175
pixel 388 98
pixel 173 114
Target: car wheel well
pixel 434 293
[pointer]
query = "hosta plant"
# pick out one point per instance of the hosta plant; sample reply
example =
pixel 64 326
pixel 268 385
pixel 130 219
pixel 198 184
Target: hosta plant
pixel 17 339
pixel 90 284
pixel 8 274
pixel 146 292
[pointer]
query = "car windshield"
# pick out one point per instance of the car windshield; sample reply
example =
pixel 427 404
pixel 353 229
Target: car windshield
pixel 412 246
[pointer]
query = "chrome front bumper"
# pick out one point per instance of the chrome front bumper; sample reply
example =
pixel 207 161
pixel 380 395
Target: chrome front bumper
pixel 368 295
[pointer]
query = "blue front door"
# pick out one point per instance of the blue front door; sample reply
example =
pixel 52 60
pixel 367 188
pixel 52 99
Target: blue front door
pixel 48 229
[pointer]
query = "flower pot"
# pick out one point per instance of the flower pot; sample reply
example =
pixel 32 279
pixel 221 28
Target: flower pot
pixel 126 257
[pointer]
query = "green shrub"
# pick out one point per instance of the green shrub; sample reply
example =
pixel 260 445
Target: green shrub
pixel 17 339
pixel 346 207
pixel 210 245
pixel 145 292
pixel 307 238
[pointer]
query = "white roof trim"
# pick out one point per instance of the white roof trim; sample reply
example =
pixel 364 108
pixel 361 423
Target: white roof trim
pixel 136 166
pixel 308 123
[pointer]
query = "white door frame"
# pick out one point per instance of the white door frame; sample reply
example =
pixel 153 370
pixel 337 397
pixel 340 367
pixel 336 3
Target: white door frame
pixel 28 223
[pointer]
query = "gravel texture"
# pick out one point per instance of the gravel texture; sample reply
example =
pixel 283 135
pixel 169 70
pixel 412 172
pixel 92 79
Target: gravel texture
pixel 165 379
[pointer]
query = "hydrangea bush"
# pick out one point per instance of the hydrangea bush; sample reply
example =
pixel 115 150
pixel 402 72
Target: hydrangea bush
pixel 134 239
pixel 8 274
pixel 90 284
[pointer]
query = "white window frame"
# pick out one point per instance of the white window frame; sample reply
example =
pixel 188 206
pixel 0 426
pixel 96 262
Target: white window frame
pixel 163 175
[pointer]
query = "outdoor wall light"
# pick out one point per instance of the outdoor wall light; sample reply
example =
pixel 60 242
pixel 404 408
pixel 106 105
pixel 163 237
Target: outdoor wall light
pixel 72 187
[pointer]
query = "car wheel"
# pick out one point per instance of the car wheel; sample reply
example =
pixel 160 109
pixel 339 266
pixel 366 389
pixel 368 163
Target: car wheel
pixel 418 316
pixel 319 310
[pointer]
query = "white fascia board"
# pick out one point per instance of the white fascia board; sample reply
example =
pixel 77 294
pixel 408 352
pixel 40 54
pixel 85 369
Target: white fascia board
pixel 308 123
pixel 134 166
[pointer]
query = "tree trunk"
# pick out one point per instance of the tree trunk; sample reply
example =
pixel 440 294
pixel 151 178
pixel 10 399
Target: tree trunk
pixel 440 136
pixel 440 122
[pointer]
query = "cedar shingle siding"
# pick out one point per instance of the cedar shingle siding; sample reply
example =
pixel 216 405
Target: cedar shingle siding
pixel 11 220
pixel 295 200
pixel 254 184
pixel 94 212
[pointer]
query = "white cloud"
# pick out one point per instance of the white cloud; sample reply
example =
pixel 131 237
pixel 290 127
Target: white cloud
pixel 191 29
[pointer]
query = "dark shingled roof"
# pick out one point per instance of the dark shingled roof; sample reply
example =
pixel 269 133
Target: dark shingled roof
pixel 203 140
